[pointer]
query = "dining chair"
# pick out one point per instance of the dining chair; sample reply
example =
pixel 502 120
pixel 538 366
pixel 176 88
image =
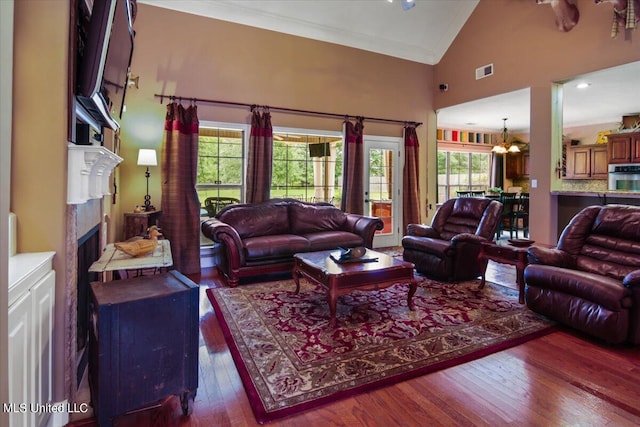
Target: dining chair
pixel 521 214
pixel 509 202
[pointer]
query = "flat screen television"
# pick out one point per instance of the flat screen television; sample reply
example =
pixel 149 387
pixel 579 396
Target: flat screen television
pixel 104 61
pixel 321 149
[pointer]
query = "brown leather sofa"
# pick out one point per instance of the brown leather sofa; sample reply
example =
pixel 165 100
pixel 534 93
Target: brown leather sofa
pixel 591 280
pixel 263 237
pixel 448 248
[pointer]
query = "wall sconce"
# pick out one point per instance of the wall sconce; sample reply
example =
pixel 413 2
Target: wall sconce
pixel 147 157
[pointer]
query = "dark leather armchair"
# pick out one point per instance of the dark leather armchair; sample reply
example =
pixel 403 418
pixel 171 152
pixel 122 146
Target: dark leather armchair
pixel 591 280
pixel 448 248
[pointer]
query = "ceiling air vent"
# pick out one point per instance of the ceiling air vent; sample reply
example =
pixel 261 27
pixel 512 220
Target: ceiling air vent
pixel 484 71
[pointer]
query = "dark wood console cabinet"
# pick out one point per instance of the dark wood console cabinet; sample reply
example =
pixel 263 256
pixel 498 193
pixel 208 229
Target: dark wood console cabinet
pixel 137 223
pixel 143 343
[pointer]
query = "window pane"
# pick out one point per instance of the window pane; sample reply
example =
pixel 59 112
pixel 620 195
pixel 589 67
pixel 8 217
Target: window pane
pixel 220 164
pixel 460 171
pixel 307 167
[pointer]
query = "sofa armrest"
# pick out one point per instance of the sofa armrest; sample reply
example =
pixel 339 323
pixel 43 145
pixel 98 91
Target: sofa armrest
pixel 632 281
pixel 221 232
pixel 550 256
pixel 421 230
pixel 468 238
pixel 364 226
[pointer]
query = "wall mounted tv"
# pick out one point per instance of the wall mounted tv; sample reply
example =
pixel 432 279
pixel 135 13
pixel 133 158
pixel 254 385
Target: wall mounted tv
pixel 104 58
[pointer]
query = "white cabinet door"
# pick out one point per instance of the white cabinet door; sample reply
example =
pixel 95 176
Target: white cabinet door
pixel 20 359
pixel 42 299
pixel 31 311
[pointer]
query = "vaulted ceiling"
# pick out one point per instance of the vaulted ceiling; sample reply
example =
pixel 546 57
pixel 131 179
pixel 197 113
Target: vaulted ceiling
pixel 422 33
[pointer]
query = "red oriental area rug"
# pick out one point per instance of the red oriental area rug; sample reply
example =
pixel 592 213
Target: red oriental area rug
pixel 290 360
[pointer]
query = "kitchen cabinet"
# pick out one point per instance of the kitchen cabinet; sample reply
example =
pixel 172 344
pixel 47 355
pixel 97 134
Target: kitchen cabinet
pixel 624 147
pixel 587 162
pixel 517 165
pixel 143 343
pixel 525 163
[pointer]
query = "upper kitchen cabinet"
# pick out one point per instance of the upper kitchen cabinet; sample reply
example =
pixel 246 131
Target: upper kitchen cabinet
pixel 587 162
pixel 624 147
pixel 517 165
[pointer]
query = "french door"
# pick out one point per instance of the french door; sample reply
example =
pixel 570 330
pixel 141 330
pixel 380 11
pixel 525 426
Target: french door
pixel 382 183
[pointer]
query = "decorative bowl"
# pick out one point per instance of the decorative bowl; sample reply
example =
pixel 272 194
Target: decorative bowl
pixel 521 242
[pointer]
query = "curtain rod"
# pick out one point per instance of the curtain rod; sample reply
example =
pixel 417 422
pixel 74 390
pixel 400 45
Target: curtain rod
pixel 283 109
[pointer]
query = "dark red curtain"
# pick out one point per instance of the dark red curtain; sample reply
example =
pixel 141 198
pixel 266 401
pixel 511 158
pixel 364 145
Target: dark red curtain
pixel 411 179
pixel 352 167
pixel 260 158
pixel 180 220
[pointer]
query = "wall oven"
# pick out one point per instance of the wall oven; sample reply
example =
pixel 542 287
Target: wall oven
pixel 624 177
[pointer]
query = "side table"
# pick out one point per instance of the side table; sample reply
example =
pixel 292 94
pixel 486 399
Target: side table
pixel 504 253
pixel 137 223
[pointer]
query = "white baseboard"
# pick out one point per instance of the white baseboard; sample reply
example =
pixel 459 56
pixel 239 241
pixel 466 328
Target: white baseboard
pixel 60 418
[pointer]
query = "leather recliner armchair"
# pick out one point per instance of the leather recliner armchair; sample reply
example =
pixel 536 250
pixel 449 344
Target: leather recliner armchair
pixel 448 248
pixel 591 280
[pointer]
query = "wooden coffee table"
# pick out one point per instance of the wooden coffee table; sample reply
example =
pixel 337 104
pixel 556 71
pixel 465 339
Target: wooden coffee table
pixel 505 253
pixel 340 279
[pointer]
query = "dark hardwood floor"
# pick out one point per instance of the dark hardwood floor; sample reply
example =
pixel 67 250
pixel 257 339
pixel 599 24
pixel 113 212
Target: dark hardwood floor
pixel 561 379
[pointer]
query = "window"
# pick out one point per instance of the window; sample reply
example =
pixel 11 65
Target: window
pixel 220 167
pixel 307 167
pixel 461 171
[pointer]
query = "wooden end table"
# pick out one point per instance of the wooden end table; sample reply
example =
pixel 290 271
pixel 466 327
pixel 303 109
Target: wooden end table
pixel 504 253
pixel 340 279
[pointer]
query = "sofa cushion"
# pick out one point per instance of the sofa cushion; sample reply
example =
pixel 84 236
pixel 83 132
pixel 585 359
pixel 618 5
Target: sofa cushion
pixel 309 218
pixel 324 240
pixel 251 220
pixel 273 247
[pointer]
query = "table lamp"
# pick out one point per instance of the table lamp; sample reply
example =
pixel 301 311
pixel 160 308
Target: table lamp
pixel 147 157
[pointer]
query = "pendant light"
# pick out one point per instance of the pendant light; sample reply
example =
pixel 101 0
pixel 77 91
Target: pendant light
pixel 504 147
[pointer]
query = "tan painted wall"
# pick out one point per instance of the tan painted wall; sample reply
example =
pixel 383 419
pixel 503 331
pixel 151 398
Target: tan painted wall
pixel 521 40
pixel 39 146
pixel 192 56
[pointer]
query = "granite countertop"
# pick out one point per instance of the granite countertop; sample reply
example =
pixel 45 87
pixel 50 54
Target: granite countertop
pixel 614 193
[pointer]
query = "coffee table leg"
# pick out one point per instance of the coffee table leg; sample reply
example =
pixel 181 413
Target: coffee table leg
pixel 333 299
pixel 296 278
pixel 413 287
pixel 520 282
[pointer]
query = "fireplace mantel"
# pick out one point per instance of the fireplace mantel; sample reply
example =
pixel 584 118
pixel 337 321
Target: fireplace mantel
pixel 89 168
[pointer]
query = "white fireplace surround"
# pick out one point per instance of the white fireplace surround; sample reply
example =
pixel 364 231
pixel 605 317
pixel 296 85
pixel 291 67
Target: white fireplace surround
pixel 89 169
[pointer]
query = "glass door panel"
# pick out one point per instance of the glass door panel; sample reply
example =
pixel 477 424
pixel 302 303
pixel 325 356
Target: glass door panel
pixel 382 188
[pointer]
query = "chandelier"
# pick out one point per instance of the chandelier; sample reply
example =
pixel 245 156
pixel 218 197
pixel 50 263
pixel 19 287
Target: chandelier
pixel 505 147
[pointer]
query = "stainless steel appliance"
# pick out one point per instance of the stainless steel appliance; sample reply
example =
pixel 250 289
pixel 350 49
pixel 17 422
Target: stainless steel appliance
pixel 624 177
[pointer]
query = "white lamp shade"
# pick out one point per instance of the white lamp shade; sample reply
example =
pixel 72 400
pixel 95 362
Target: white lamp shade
pixel 147 157
pixel 499 149
pixel 514 149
